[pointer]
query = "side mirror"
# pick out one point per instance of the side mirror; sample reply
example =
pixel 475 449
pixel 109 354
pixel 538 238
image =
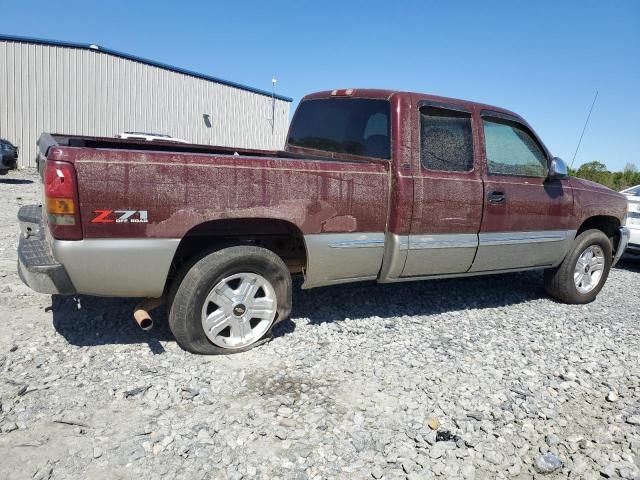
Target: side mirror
pixel 558 169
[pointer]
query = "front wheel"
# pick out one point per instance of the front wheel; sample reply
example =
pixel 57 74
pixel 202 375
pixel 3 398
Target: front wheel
pixel 583 272
pixel 229 300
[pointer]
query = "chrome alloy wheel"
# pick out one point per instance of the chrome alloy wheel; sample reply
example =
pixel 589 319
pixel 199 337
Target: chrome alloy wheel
pixel 589 269
pixel 239 310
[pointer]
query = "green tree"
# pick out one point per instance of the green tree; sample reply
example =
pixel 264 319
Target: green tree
pixel 630 176
pixel 597 172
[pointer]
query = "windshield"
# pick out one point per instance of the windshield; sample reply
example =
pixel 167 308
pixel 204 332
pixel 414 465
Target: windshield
pixel 343 125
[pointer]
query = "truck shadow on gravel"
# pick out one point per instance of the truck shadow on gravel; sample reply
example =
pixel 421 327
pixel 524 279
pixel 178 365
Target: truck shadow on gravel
pixel 422 298
pixel 102 321
pixel 630 263
pixel 106 321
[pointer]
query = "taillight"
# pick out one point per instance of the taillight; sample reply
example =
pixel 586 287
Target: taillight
pixel 61 194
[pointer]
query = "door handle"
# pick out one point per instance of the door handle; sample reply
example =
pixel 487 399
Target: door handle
pixel 496 197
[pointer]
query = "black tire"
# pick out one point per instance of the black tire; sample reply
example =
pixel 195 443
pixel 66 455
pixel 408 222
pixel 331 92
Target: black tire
pixel 559 281
pixel 192 286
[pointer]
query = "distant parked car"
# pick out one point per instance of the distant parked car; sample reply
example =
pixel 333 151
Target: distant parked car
pixel 150 137
pixel 633 218
pixel 8 156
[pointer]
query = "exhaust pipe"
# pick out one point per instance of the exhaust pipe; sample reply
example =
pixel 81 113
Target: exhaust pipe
pixel 141 312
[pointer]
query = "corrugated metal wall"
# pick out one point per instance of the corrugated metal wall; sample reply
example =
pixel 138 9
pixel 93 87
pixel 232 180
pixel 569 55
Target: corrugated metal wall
pixel 85 92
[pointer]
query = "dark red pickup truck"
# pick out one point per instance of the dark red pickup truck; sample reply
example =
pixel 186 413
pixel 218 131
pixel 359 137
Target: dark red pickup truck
pixel 372 185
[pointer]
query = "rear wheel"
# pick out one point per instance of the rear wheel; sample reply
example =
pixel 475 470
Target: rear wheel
pixel 229 300
pixel 583 272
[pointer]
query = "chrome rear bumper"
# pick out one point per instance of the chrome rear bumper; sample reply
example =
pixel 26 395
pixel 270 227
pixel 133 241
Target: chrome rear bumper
pixel 37 267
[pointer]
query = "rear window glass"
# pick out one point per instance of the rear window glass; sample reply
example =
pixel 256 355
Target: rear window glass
pixel 355 126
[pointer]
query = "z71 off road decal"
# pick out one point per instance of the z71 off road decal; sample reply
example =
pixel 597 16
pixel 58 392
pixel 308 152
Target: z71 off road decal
pixel 120 216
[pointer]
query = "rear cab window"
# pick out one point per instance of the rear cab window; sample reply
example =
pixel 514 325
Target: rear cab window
pixel 353 126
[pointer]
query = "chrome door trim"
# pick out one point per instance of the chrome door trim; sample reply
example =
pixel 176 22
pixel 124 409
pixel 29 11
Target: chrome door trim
pixel 514 238
pixel 360 243
pixel 446 240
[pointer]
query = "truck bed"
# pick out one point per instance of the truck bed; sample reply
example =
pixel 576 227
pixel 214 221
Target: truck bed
pixel 156 194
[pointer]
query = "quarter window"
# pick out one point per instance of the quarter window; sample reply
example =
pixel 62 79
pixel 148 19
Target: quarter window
pixel 511 150
pixel 445 140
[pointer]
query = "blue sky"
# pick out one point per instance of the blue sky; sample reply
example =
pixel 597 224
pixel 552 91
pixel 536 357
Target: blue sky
pixel 544 59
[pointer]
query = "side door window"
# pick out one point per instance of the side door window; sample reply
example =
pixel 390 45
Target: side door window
pixel 512 150
pixel 446 142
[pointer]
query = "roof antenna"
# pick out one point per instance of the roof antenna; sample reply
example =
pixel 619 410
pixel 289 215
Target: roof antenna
pixel 584 128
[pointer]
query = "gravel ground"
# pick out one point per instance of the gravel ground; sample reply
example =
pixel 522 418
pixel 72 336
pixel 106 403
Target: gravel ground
pixel 475 378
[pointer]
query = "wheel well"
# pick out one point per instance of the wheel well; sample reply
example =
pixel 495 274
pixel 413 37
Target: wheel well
pixel 281 237
pixel 608 225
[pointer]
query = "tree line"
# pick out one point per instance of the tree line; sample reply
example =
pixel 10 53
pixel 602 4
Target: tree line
pixel 597 172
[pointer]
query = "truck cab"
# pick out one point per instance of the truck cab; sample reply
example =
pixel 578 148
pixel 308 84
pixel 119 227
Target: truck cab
pixel 474 189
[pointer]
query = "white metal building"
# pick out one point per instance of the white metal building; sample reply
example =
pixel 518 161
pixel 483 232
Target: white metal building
pixel 80 89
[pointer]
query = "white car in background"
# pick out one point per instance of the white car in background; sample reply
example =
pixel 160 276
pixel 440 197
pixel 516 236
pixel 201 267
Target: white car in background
pixel 633 218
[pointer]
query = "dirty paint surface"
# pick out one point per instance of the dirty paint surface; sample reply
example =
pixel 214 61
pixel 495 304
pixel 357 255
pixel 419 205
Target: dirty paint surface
pixel 180 190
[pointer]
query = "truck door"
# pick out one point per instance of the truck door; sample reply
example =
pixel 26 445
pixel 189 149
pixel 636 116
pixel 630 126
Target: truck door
pixel 526 220
pixel 448 193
